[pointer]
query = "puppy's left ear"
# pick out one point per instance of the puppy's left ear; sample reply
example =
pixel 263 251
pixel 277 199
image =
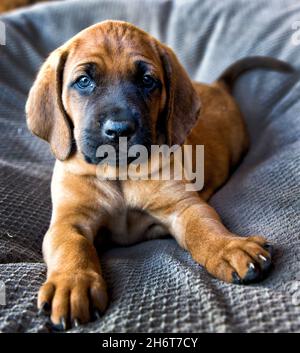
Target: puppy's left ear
pixel 183 103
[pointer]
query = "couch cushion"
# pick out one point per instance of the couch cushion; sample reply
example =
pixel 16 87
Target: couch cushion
pixel 156 286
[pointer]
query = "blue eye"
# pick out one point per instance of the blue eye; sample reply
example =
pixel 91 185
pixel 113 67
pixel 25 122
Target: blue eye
pixel 84 83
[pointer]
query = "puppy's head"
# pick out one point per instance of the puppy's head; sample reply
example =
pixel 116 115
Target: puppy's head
pixel 111 80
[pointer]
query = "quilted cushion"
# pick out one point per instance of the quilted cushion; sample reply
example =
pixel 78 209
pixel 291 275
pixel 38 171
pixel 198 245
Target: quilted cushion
pixel 155 286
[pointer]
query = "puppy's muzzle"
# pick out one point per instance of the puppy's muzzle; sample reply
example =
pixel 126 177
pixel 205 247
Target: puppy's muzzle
pixel 117 122
pixel 115 128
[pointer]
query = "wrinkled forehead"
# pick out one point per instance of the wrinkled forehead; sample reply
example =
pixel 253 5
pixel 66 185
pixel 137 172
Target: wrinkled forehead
pixel 114 47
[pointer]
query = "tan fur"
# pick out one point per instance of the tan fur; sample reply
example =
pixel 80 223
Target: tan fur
pixel 8 5
pixel 83 206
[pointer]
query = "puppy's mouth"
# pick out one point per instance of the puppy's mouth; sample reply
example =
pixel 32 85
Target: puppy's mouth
pixel 117 155
pixel 117 162
pixel 99 148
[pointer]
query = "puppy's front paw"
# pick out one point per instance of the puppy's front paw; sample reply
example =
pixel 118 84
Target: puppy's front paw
pixel 242 260
pixel 72 298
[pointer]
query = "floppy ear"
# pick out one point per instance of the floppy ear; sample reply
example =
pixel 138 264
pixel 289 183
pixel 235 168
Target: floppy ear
pixel 183 103
pixel 45 113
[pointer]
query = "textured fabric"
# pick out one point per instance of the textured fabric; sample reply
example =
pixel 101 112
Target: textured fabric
pixel 155 286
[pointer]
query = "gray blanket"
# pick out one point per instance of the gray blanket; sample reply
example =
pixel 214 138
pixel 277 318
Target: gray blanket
pixel 155 286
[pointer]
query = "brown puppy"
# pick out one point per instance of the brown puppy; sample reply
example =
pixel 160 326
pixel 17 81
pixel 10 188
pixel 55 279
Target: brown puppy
pixel 113 80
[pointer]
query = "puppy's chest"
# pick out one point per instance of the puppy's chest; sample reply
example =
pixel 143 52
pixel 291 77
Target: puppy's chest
pixel 128 226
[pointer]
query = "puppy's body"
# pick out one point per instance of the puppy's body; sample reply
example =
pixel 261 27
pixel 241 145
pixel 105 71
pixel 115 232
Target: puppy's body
pixel 164 110
pixel 220 128
pixel 222 131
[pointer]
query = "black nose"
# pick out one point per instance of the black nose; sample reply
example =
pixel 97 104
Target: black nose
pixel 113 129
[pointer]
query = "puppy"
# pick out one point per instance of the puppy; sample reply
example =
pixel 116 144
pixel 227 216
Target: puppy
pixel 113 80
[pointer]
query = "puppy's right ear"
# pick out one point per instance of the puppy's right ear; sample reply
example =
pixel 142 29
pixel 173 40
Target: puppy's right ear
pixel 183 102
pixel 46 116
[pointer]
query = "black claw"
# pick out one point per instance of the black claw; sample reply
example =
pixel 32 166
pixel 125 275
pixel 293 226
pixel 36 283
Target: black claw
pixel 76 323
pixel 256 272
pixel 44 309
pixel 269 247
pixel 267 268
pixel 253 274
pixel 266 265
pixel 62 326
pixel 236 278
pixel 97 314
pixel 63 323
pixel 54 327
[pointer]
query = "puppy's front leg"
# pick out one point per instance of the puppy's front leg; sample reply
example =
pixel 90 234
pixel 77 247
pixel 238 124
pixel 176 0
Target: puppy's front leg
pixel 240 260
pixel 74 289
pixel 197 228
pixel 74 285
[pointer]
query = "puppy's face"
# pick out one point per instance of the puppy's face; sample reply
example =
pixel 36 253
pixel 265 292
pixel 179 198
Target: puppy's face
pixel 113 86
pixel 110 81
